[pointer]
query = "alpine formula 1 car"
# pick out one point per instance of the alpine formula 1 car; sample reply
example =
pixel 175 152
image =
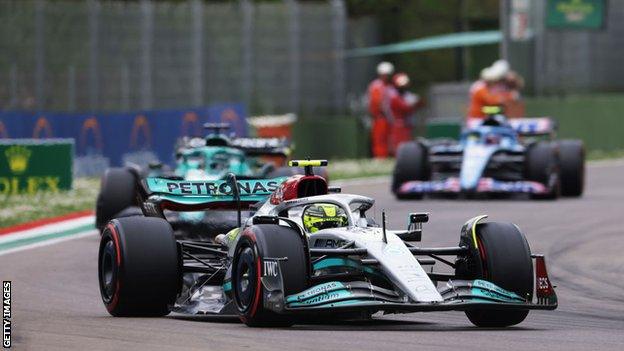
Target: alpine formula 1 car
pixel 310 251
pixel 493 156
pixel 209 158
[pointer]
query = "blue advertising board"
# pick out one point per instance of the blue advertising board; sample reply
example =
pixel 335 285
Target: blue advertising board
pixel 117 138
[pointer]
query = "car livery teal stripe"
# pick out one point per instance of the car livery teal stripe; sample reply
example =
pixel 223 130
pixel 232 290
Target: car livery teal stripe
pixel 323 298
pixel 315 291
pixel 485 289
pixel 343 262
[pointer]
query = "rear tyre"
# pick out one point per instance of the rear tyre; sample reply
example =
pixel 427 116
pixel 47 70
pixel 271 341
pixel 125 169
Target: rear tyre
pixel 412 163
pixel 256 243
pixel 504 259
pixel 542 166
pixel 139 268
pixel 117 192
pixel 572 167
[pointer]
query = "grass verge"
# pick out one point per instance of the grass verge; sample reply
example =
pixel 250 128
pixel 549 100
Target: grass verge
pixel 346 169
pixel 604 155
pixel 16 209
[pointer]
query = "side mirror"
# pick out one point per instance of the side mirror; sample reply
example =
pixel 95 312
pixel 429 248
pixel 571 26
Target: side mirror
pixel 414 226
pixel 265 220
pixel 417 219
pixel 334 189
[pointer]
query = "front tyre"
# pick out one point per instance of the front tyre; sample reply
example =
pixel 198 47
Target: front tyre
pixel 572 166
pixel 504 258
pixel 267 241
pixel 542 166
pixel 138 267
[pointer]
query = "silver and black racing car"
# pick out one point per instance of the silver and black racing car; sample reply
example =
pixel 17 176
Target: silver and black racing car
pixel 310 251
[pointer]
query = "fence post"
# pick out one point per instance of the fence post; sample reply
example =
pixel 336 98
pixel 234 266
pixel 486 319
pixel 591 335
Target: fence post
pixel 14 100
pixel 40 55
pixel 503 14
pixel 247 50
pixel 540 64
pixel 71 88
pixel 125 87
pixel 294 53
pixel 94 81
pixel 197 55
pixel 339 40
pixel 147 36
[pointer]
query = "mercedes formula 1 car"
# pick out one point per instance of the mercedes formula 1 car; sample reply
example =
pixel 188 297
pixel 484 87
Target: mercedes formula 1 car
pixel 310 251
pixel 493 156
pixel 209 158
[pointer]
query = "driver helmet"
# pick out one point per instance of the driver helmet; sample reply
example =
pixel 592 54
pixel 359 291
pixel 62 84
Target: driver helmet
pixel 323 216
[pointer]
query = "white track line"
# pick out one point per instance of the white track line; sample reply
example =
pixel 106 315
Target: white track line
pixel 50 242
pixel 47 229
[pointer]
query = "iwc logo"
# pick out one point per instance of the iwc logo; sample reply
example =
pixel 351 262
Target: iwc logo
pixel 17 157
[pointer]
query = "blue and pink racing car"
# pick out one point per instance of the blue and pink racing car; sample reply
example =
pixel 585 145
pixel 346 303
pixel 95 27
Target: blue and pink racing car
pixel 494 156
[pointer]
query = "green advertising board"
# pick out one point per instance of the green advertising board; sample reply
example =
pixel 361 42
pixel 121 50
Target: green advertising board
pixel 28 166
pixel 575 14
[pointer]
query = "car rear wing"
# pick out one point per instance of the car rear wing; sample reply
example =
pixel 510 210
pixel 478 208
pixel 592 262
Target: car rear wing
pixel 525 126
pixel 160 194
pixel 534 126
pixel 263 146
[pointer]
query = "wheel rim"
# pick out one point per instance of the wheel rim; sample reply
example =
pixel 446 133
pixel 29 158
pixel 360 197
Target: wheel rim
pixel 108 270
pixel 245 283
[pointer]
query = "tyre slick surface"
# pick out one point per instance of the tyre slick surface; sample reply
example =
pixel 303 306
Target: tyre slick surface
pixel 138 267
pixel 117 192
pixel 504 259
pixel 572 167
pixel 256 243
pixel 412 163
pixel 542 164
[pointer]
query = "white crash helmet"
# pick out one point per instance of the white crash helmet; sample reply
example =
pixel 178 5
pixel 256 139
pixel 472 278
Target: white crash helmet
pixel 488 75
pixel 500 69
pixel 385 68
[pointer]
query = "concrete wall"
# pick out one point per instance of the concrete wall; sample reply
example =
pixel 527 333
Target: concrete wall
pixel 332 137
pixel 598 119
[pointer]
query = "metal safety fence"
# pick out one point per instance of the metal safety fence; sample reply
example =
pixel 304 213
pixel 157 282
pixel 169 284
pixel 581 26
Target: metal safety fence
pixel 140 55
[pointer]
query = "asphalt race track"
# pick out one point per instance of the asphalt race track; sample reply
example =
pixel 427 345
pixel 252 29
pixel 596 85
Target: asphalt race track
pixel 56 302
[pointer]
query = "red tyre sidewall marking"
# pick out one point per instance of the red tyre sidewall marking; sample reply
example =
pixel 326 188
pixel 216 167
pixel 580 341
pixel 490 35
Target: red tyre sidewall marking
pixel 115 237
pixel 254 307
pixel 483 257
